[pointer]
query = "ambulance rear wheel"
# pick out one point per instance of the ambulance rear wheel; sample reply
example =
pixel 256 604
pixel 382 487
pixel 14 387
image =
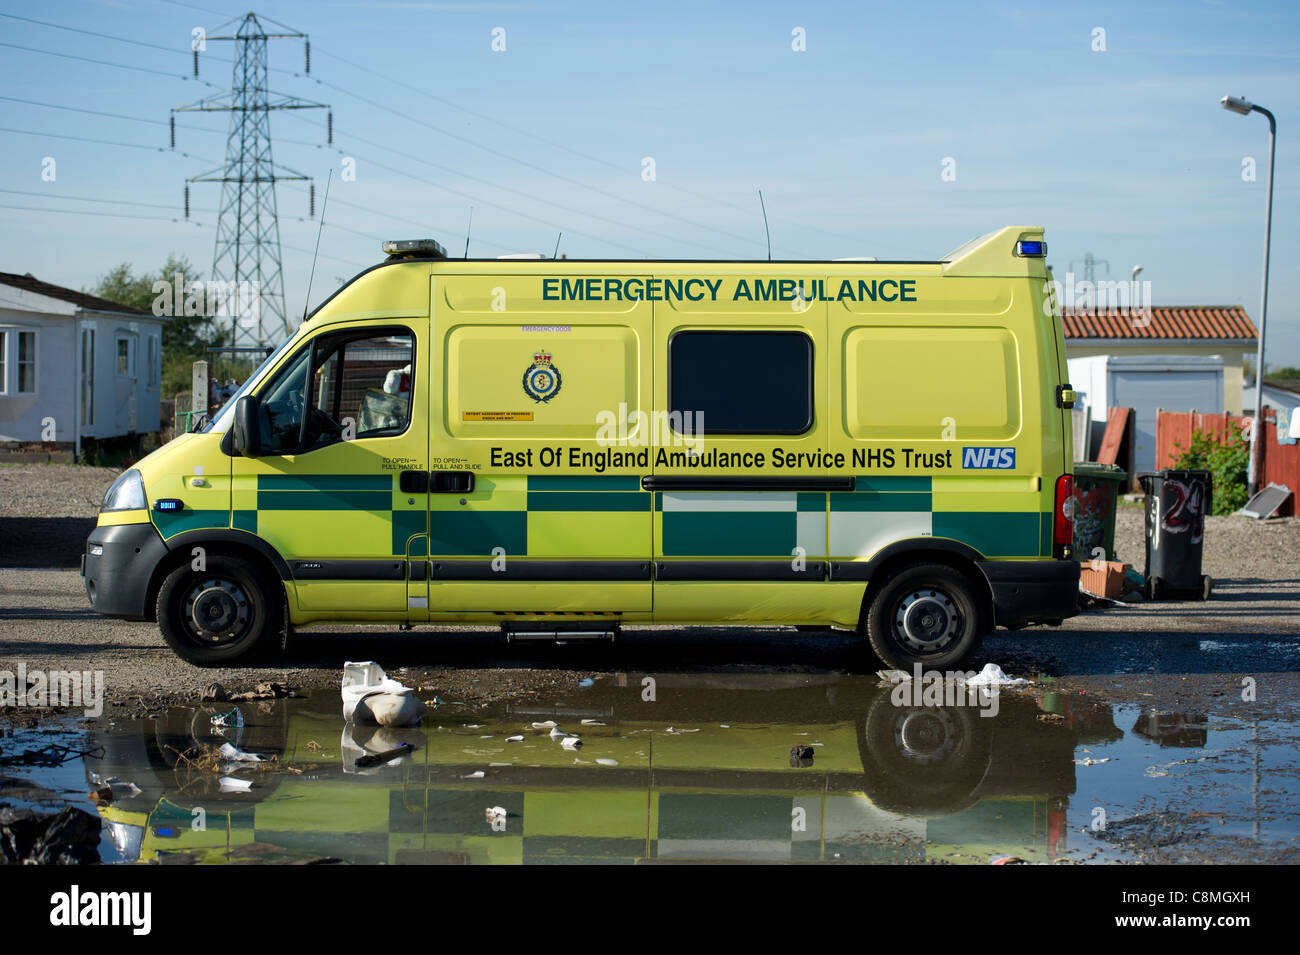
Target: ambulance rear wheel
pixel 221 615
pixel 929 614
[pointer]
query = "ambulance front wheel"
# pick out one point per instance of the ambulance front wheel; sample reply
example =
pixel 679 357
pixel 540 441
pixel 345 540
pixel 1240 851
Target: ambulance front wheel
pixel 929 614
pixel 221 615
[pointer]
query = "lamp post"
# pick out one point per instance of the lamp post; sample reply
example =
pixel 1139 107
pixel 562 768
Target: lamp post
pixel 1237 104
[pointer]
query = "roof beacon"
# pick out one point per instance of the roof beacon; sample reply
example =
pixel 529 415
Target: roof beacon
pixel 416 248
pixel 1032 250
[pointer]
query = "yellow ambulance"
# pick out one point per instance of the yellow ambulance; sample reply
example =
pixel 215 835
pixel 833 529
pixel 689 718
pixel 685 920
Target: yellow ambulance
pixel 564 447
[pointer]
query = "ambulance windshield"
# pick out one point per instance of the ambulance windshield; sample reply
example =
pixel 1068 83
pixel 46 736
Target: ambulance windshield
pixel 221 420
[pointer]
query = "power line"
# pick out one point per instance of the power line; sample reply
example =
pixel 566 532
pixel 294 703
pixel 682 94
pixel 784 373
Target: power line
pixel 95 33
pixel 161 149
pixel 578 183
pixel 549 225
pixel 519 192
pixel 103 142
pixel 530 165
pixel 118 202
pixel 113 215
pixel 482 116
pixel 120 66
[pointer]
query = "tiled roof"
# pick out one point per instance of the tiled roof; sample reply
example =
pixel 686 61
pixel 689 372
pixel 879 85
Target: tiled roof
pixel 29 284
pixel 1167 322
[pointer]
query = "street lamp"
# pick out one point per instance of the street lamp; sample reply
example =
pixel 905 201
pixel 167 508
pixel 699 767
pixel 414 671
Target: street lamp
pixel 1237 104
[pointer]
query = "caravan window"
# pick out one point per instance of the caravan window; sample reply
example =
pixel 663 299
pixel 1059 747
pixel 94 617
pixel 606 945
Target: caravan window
pixel 27 363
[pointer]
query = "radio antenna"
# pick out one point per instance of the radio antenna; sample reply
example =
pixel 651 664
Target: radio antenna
pixel 319 228
pixel 556 253
pixel 763 206
pixel 468 229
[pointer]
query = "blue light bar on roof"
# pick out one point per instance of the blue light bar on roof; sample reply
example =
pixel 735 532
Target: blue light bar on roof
pixel 1031 249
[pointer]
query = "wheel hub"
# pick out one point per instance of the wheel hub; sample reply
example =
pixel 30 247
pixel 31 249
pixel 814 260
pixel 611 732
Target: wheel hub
pixel 926 735
pixel 218 610
pixel 927 620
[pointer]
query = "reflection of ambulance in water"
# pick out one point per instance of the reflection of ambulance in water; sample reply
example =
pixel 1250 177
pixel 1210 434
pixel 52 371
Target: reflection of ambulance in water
pixel 701 773
pixel 567 446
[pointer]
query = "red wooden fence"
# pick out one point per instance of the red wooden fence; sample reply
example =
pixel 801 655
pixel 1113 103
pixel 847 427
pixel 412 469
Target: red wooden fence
pixel 1281 461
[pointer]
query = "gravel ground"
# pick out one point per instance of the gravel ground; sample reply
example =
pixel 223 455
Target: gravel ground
pixel 47 511
pixel 1235 547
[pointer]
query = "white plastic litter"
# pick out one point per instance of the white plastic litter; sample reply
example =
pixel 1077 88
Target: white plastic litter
pixel 607 762
pixel 493 813
pixel 592 723
pixel 371 696
pixel 475 775
pixel 238 755
pixel 992 675
pixel 557 733
pixel 571 742
pixel 229 784
pixel 545 725
pixel 514 739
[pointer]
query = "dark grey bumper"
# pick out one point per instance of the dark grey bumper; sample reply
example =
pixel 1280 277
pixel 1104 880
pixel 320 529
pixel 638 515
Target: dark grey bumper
pixel 117 581
pixel 1032 591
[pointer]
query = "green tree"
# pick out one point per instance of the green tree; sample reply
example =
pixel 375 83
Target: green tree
pixel 1226 457
pixel 185 338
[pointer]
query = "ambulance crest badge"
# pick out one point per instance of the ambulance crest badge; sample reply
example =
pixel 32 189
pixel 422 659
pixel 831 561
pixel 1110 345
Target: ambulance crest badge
pixel 542 379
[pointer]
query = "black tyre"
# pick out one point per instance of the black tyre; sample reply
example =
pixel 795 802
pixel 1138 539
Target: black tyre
pixel 929 614
pixel 224 614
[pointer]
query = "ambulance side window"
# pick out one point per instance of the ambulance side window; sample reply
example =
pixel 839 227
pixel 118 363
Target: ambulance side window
pixel 280 416
pixel 352 384
pixel 361 386
pixel 741 382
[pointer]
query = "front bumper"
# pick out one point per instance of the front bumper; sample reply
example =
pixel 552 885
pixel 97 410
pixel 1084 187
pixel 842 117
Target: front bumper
pixel 117 581
pixel 1032 591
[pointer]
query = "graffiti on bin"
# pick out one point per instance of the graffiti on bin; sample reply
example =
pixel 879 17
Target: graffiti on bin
pixel 1184 512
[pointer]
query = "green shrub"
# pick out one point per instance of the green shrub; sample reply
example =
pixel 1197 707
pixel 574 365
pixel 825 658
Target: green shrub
pixel 1226 456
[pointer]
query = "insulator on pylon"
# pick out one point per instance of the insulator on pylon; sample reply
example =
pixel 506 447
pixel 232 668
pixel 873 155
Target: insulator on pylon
pixel 172 128
pixel 311 200
pixel 187 200
pixel 196 62
pixel 307 51
pixel 329 127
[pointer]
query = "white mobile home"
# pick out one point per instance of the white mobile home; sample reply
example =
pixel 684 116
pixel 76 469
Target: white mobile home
pixel 73 366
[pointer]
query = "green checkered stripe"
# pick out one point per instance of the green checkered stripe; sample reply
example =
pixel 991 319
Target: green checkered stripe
pixel 858 523
pixel 554 516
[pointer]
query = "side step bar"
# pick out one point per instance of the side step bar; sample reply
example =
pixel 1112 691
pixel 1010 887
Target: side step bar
pixel 558 635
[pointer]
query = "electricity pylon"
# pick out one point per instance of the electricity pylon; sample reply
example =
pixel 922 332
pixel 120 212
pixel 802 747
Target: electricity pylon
pixel 247 249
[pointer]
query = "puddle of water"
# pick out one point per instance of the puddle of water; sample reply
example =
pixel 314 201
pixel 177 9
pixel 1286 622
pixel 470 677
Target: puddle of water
pixel 703 772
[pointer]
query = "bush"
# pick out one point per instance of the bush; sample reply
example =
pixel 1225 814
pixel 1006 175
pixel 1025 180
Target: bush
pixel 1226 456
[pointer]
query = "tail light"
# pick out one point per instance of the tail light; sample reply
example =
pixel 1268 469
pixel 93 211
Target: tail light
pixel 1063 517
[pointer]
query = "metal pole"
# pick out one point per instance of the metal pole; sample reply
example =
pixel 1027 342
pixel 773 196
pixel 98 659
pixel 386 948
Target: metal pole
pixel 1254 472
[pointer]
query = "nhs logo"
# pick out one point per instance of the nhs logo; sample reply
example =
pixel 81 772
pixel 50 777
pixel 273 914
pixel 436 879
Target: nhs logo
pixel 988 458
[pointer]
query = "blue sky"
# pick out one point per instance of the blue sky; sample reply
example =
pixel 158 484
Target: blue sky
pixel 1123 153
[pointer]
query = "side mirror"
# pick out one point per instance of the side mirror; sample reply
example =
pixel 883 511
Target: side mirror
pixel 246 431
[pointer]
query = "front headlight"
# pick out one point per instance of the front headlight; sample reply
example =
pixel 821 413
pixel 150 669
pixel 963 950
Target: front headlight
pixel 127 493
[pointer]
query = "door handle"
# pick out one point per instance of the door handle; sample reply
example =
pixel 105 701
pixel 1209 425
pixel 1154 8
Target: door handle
pixel 413 482
pixel 436 482
pixel 451 482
